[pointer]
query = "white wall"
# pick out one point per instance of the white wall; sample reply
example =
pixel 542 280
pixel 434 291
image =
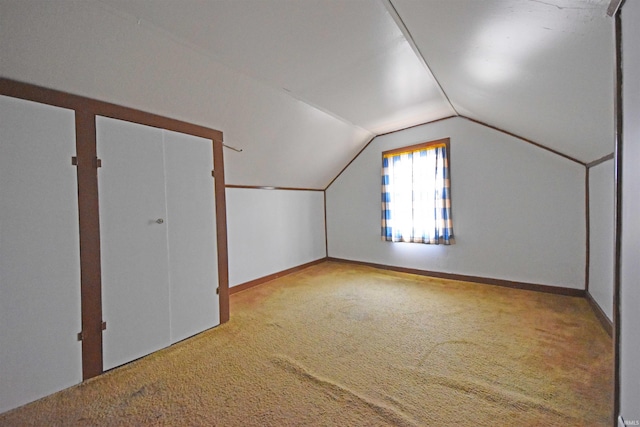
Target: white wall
pixel 601 235
pixel 272 230
pixel 630 267
pixel 518 211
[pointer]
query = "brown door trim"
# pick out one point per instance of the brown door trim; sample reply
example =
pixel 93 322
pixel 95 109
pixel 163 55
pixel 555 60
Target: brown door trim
pixel 90 266
pixel 221 229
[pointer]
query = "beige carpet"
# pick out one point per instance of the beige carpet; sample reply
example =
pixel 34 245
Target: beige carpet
pixel 346 345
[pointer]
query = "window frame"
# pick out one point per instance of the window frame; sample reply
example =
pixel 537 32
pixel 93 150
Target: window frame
pixel 416 147
pixel 446 142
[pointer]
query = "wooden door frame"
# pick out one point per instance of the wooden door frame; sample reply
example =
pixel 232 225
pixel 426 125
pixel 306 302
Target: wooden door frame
pixel 86 110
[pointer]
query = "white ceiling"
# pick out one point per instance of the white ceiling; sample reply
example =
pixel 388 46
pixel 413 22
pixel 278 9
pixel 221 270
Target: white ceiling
pixel 347 58
pixel 302 85
pixel 541 69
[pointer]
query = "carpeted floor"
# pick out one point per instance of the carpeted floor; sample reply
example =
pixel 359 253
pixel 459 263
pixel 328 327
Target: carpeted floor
pixel 346 345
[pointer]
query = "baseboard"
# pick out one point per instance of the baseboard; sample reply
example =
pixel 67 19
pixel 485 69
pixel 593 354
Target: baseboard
pixel 259 281
pixel 475 279
pixel 602 317
pixel 440 275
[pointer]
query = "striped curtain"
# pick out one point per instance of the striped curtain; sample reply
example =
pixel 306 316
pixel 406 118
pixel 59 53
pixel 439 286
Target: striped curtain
pixel 416 202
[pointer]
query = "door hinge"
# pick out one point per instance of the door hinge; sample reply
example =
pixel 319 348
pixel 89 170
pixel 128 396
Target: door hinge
pixel 217 291
pixel 103 326
pixel 97 163
pixel 213 174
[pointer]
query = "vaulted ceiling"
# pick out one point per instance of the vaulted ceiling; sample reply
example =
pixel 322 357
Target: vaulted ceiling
pixel 314 80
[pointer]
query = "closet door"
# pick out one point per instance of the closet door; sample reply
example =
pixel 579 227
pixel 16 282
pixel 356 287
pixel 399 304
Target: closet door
pixel 192 234
pixel 133 238
pixel 39 253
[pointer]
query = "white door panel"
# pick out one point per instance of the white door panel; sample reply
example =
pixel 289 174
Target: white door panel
pixel 192 234
pixel 158 238
pixel 133 239
pixel 39 253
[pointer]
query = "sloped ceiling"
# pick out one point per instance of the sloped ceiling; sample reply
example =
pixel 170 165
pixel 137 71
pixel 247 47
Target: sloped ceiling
pixel 302 85
pixel 541 69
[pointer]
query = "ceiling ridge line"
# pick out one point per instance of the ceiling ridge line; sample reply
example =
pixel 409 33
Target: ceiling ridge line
pixel 299 98
pixel 420 124
pixel 407 35
pixel 529 141
pixel 536 144
pixel 383 134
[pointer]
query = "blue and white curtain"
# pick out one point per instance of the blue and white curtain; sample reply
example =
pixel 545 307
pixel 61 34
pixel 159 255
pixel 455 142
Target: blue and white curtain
pixel 416 202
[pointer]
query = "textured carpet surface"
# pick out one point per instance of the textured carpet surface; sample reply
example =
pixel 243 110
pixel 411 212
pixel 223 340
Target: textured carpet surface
pixel 347 345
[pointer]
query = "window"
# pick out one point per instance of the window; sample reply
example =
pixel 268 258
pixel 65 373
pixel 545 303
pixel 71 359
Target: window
pixel 416 200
